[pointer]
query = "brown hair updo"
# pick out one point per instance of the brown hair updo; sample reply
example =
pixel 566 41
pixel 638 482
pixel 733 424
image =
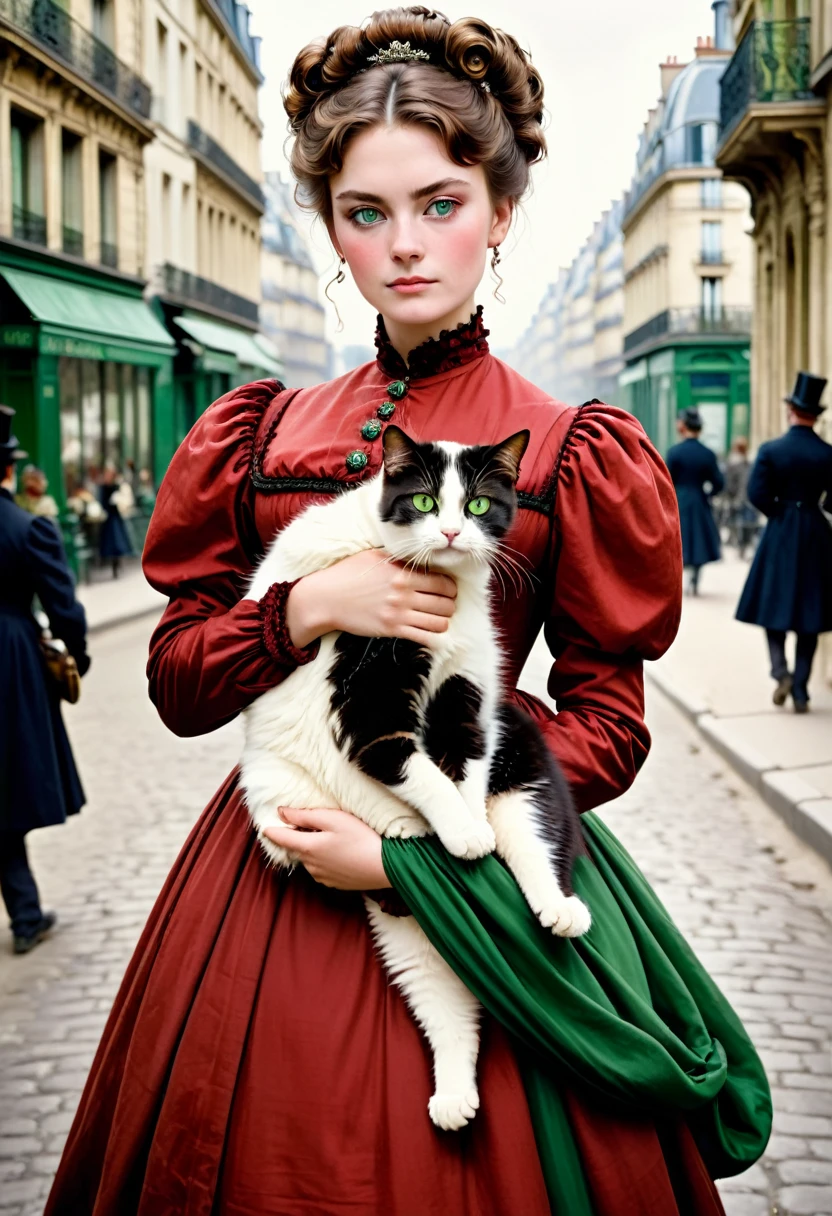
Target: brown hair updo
pixel 478 92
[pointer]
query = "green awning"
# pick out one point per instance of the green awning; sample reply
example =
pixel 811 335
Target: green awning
pixel 227 340
pixel 78 311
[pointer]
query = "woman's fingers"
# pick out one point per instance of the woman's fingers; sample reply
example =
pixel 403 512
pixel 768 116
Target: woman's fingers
pixel 435 605
pixel 317 819
pixel 431 584
pixel 426 623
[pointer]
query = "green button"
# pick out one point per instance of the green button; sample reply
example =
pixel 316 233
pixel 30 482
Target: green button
pixel 356 461
pixel 387 410
pixel 371 429
pixel 397 389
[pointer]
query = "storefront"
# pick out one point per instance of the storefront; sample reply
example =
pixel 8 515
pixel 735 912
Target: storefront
pixel 89 369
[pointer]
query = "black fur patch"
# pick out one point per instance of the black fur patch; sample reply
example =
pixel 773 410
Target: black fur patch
pixel 423 475
pixel 524 762
pixel 376 684
pixel 453 734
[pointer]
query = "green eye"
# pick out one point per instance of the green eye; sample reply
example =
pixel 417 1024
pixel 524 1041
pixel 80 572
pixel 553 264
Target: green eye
pixel 367 215
pixel 479 506
pixel 423 502
pixel 443 207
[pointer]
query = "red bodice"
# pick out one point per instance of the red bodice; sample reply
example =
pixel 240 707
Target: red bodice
pixel 597 530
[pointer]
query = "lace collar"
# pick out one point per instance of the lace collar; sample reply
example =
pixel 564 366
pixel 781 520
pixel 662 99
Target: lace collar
pixel 453 348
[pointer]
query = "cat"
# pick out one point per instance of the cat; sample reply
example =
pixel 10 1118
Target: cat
pixel 415 740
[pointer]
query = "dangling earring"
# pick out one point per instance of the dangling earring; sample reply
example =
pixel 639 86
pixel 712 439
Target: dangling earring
pixel 339 278
pixel 495 262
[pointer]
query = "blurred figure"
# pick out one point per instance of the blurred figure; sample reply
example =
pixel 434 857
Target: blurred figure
pixel 113 539
pixel 693 467
pixel 742 517
pixel 39 784
pixel 789 585
pixel 33 497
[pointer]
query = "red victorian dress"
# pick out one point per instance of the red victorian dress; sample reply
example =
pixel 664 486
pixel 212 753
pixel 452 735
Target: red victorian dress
pixel 257 1062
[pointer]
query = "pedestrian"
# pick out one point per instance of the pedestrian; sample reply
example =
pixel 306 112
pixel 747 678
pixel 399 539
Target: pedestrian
pixel 742 517
pixel 113 539
pixel 39 783
pixel 789 585
pixel 257 1059
pixel 33 497
pixel 696 476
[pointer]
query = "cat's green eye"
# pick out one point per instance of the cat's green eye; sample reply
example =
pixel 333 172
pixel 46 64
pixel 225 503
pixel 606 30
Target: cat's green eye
pixel 479 506
pixel 423 502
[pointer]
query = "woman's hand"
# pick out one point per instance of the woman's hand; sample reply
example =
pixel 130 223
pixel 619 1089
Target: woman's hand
pixel 371 596
pixel 337 849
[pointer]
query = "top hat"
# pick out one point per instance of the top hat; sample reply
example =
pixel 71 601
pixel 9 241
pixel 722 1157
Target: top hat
pixel 807 393
pixel 9 450
pixel 691 418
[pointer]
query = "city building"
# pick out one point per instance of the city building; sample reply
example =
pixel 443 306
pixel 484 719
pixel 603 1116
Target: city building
pixel 774 139
pixel 687 261
pixel 291 314
pixel 83 359
pixel 204 197
pixel 572 347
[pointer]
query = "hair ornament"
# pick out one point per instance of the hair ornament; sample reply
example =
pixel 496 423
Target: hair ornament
pixel 398 52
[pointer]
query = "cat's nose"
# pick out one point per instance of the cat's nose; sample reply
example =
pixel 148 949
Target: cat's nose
pixel 450 534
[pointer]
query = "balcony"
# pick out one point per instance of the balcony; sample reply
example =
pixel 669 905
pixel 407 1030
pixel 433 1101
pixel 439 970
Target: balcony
pixel 686 323
pixel 52 28
pixel 766 92
pixel 28 225
pixel 189 290
pixel 215 158
pixel 73 241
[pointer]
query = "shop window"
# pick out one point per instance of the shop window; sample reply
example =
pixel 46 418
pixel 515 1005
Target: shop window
pixel 72 199
pixel 144 430
pixel 107 184
pixel 28 208
pixel 72 450
pixel 111 423
pixel 91 420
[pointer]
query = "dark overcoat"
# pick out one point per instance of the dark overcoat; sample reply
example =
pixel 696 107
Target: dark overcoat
pixel 39 783
pixel 113 539
pixel 789 585
pixel 693 466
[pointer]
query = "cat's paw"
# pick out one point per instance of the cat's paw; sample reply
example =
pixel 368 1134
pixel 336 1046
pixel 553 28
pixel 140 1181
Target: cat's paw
pixel 453 1111
pixel 402 829
pixel 277 856
pixel 476 840
pixel 566 916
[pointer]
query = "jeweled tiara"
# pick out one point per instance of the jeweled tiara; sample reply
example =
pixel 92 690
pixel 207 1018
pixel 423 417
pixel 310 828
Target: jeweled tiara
pixel 398 52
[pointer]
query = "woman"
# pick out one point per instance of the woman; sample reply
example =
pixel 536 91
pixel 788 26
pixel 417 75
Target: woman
pixel 693 467
pixel 257 1060
pixel 113 539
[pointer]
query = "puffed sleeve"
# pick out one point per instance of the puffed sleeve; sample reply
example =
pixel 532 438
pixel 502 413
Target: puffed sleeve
pixel 55 589
pixel 616 599
pixel 213 653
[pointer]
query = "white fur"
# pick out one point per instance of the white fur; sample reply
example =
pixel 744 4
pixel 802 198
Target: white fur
pixel 291 758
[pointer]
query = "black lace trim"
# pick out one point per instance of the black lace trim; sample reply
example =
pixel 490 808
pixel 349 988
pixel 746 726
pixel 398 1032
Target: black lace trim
pixel 453 348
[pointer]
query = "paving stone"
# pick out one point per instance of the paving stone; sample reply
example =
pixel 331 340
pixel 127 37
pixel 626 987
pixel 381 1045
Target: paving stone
pixel 17 1147
pixel 807 1200
pixel 806 1171
pixel 744 1203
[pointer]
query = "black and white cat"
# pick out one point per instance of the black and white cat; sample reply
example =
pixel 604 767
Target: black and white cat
pixel 416 741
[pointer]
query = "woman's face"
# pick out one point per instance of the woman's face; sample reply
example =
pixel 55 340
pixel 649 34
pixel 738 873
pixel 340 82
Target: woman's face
pixel 413 226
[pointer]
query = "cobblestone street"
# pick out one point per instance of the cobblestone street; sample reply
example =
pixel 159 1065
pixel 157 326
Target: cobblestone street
pixel 754 901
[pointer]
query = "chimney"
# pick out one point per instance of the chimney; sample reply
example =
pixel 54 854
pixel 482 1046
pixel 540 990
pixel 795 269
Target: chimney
pixel 669 70
pixel 723 30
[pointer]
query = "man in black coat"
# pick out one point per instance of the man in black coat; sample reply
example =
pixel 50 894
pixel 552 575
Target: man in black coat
pixel 39 783
pixel 693 467
pixel 789 585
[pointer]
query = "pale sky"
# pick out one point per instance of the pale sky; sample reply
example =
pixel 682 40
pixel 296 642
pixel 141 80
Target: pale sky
pixel 599 61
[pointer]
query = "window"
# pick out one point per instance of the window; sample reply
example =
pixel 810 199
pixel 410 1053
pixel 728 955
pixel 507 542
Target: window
pixel 712 241
pixel 712 192
pixel 711 300
pixel 102 21
pixel 199 101
pixel 167 235
pixel 700 143
pixel 160 92
pixel 72 199
pixel 107 209
pixel 28 211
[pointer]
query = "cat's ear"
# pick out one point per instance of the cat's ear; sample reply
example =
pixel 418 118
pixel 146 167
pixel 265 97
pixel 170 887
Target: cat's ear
pixel 505 457
pixel 399 451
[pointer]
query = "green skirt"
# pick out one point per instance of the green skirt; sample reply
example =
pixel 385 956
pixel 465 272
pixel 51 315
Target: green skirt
pixel 626 1012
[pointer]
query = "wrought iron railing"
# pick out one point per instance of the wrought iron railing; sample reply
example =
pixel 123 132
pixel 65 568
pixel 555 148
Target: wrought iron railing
pixel 733 320
pixel 771 64
pixel 52 27
pixel 206 147
pixel 28 225
pixel 191 289
pixel 73 241
pixel 109 255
